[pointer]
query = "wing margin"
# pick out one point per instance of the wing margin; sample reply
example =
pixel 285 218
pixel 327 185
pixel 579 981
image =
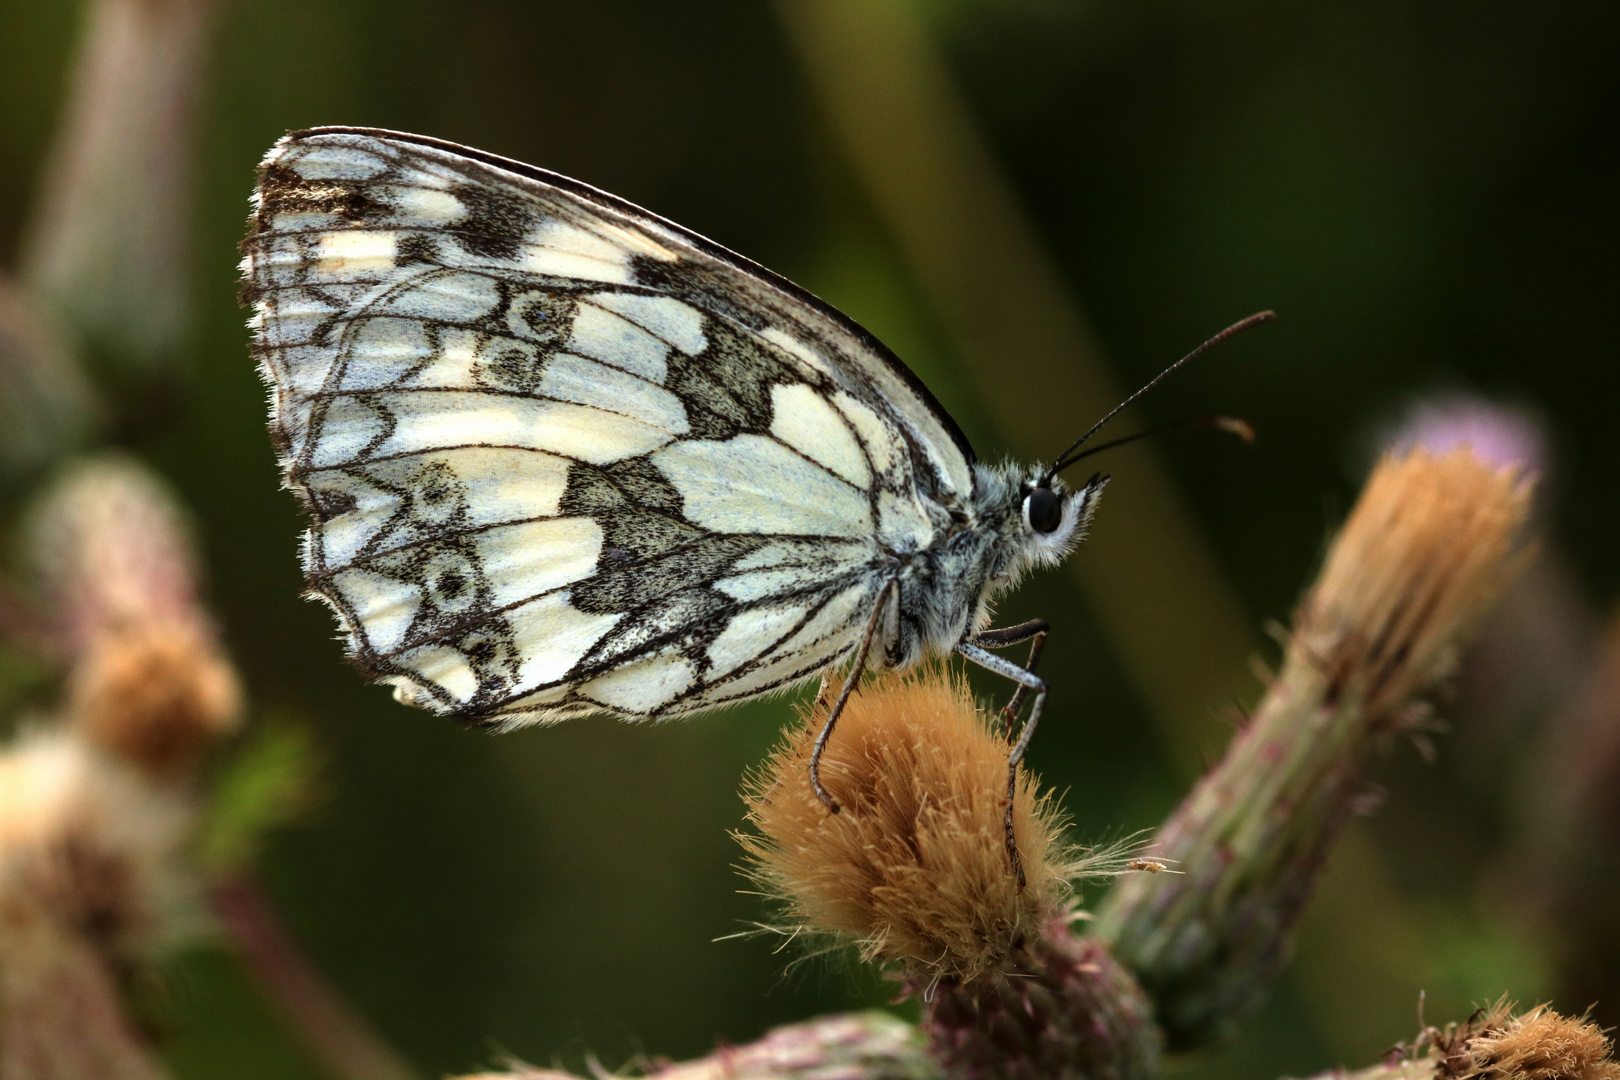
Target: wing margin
pixel 796 293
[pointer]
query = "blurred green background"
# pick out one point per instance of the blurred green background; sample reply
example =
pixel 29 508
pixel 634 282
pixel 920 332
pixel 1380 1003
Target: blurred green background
pixel 1425 191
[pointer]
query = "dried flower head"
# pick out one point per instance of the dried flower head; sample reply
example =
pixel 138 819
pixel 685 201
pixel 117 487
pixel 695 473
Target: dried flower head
pixel 86 845
pixel 1427 549
pixel 155 696
pixel 1496 1045
pixel 89 884
pixel 1542 1045
pixel 112 548
pixel 149 680
pixel 915 868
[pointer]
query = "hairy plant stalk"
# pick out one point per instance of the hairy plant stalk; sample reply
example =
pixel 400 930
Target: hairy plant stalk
pixel 109 242
pixel 343 1038
pixel 1427 548
pixel 1063 1007
pixel 1493 1044
pixel 853 1046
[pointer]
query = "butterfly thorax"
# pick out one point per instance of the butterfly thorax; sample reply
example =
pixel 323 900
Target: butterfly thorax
pixel 946 591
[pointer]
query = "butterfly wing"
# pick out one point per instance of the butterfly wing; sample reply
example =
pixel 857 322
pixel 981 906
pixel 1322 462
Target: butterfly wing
pixel 562 456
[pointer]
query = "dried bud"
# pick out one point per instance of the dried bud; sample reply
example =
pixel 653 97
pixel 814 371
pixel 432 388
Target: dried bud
pixel 88 885
pixel 149 680
pixel 1540 1045
pixel 1427 549
pixel 156 696
pixel 915 869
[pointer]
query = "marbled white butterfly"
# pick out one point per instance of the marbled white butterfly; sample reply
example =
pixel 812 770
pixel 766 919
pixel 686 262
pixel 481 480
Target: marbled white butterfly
pixel 563 456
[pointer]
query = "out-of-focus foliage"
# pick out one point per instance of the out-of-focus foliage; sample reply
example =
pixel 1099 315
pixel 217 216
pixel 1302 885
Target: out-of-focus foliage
pixel 264 785
pixel 1424 191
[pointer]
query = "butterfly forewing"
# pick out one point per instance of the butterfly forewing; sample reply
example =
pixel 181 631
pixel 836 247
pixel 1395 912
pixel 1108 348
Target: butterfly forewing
pixel 563 456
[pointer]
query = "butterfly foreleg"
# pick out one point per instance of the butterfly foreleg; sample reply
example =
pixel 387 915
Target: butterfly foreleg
pixel 1009 635
pixel 850 682
pixel 1026 680
pixel 1034 632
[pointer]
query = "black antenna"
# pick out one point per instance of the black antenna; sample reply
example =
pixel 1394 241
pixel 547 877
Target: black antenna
pixel 1231 424
pixel 1063 459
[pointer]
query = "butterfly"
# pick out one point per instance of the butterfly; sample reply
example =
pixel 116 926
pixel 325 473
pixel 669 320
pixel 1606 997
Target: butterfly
pixel 562 456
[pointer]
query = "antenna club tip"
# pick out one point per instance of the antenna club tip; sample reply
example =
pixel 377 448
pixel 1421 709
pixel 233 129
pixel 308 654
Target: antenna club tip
pixel 1237 426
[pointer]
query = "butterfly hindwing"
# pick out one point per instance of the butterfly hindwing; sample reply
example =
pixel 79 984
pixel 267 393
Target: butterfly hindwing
pixel 562 456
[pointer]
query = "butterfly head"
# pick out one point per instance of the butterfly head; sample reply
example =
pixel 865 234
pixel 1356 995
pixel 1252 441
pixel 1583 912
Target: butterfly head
pixel 1054 516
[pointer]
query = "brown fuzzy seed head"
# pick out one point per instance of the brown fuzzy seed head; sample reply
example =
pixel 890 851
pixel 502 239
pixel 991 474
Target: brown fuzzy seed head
pixel 1540 1045
pixel 915 867
pixel 154 695
pixel 1429 546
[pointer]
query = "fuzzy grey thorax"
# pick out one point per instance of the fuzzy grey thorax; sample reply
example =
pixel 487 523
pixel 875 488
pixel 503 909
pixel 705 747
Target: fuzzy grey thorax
pixel 947 595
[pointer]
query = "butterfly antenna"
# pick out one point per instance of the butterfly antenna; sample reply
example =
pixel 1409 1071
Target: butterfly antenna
pixel 1064 460
pixel 1230 424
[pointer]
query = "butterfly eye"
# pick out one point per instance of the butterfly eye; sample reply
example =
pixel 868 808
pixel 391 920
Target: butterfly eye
pixel 1044 509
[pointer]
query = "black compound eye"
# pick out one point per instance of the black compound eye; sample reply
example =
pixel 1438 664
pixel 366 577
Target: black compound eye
pixel 1045 509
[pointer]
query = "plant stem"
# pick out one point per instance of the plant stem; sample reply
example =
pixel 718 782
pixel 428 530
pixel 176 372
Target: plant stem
pixel 344 1039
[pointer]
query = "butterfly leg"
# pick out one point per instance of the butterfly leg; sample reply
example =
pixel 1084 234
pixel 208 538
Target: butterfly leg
pixel 850 683
pixel 1017 703
pixel 1010 635
pixel 1034 632
pixel 1026 680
